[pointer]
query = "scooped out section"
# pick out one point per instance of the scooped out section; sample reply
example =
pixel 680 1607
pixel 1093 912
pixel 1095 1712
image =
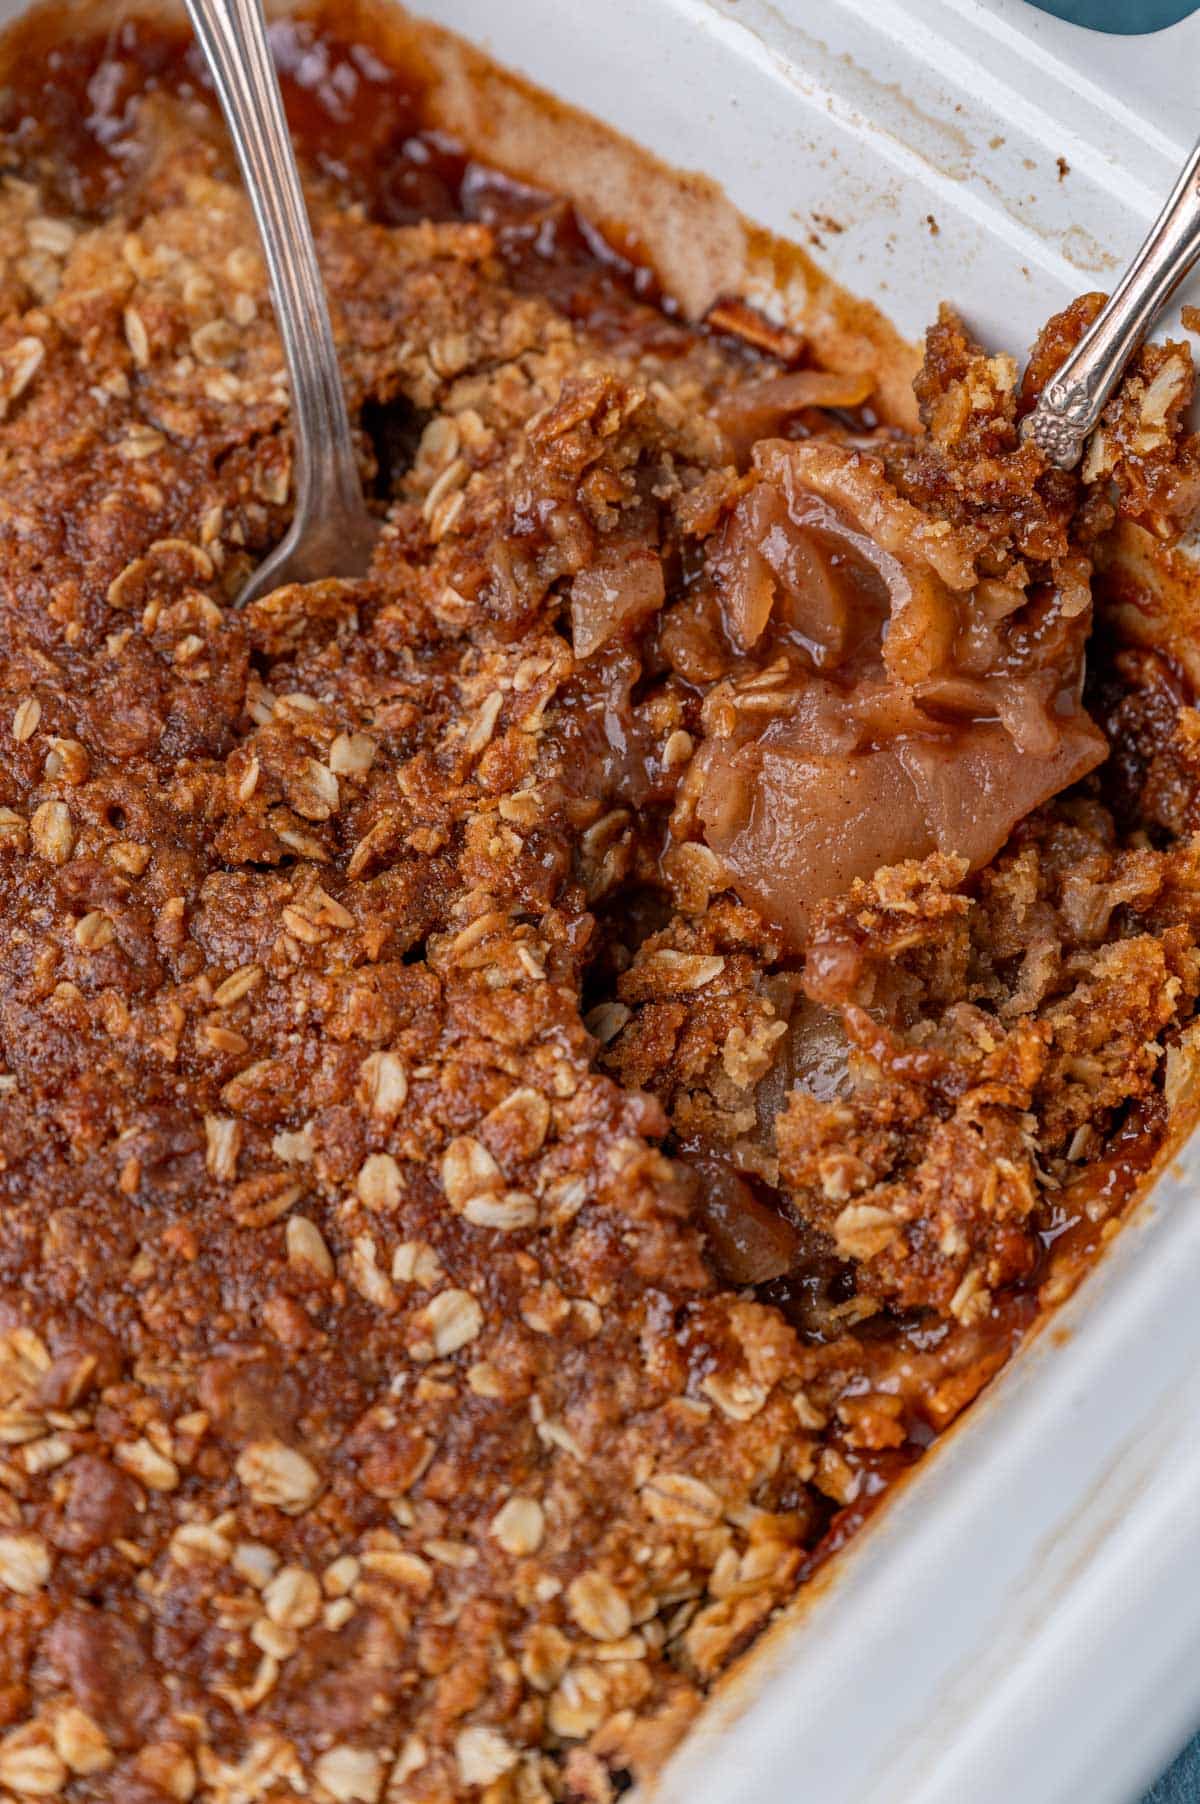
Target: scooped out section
pixel 887 700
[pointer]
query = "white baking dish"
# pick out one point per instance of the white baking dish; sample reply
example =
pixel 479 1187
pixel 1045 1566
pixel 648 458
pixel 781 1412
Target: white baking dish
pixel 1022 1621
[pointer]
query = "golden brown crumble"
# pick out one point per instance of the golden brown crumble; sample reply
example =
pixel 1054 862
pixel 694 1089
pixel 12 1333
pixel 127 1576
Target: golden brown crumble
pixel 462 1263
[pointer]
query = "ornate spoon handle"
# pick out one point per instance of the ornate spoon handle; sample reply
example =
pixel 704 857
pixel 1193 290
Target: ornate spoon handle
pixel 1071 404
pixel 331 532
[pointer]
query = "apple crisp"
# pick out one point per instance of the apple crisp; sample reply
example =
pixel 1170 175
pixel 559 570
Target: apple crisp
pixel 537 1083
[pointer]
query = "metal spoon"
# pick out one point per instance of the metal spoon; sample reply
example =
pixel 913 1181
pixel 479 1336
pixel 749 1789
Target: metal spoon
pixel 331 534
pixel 1070 405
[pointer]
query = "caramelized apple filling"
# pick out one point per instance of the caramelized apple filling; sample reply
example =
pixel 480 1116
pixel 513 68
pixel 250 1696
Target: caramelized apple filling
pixel 867 690
pixel 884 700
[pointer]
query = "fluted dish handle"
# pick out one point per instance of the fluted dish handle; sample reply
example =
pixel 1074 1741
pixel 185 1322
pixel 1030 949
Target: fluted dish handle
pixel 331 533
pixel 1070 405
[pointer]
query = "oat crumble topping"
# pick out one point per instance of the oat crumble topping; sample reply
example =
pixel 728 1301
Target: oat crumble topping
pixel 476 1230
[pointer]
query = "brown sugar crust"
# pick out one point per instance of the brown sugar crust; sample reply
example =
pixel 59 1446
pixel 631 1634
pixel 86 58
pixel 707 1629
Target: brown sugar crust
pixel 460 1264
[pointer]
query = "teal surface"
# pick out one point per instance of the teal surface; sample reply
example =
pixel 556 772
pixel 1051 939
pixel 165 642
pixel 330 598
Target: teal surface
pixel 1124 16
pixel 1182 1784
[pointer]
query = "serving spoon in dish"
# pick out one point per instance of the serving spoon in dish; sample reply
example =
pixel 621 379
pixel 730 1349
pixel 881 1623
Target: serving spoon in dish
pixel 1071 403
pixel 332 533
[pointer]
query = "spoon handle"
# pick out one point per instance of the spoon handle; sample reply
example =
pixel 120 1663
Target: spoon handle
pixel 1071 404
pixel 331 527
